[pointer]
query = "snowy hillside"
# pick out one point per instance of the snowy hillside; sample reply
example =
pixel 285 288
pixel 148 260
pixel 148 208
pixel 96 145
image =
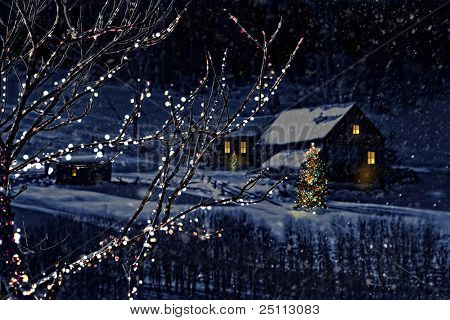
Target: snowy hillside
pixel 119 201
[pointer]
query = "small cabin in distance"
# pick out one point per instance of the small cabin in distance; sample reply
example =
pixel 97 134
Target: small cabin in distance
pixel 80 170
pixel 240 149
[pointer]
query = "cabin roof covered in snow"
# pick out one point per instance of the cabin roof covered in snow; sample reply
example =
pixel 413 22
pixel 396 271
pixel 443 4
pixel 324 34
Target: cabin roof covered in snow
pixel 305 124
pixel 84 158
pixel 253 128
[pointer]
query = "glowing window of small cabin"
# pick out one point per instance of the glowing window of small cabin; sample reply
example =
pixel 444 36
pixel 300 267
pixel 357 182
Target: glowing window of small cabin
pixel 227 147
pixel 74 172
pixel 243 146
pixel 355 129
pixel 371 157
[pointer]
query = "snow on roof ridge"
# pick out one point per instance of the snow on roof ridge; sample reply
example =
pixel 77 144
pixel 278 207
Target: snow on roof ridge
pixel 305 124
pixel 324 106
pixel 83 158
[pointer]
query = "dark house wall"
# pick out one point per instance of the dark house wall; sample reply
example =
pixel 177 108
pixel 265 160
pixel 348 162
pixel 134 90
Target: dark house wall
pixel 346 154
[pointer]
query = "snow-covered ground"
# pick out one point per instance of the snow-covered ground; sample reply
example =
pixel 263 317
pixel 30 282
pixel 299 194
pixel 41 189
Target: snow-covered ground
pixel 119 200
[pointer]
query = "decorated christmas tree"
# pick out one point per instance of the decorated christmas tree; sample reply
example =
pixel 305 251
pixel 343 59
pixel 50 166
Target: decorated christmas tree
pixel 234 161
pixel 312 186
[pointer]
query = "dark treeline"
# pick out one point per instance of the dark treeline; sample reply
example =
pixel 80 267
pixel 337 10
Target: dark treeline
pixel 411 68
pixel 362 259
pixel 405 72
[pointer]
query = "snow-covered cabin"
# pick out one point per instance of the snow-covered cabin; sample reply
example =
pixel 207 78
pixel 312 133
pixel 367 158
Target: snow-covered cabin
pixel 352 147
pixel 80 170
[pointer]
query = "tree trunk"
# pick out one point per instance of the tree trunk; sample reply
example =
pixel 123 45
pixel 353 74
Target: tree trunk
pixel 14 281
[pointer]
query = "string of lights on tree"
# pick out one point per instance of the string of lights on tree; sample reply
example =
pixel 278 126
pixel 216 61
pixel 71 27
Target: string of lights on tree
pixel 312 184
pixel 184 138
pixel 52 109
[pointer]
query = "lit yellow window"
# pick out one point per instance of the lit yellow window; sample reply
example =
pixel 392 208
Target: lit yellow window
pixel 74 172
pixel 371 157
pixel 227 147
pixel 243 146
pixel 356 129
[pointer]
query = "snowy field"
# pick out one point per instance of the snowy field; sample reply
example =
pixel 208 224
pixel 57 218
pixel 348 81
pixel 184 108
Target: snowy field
pixel 119 200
